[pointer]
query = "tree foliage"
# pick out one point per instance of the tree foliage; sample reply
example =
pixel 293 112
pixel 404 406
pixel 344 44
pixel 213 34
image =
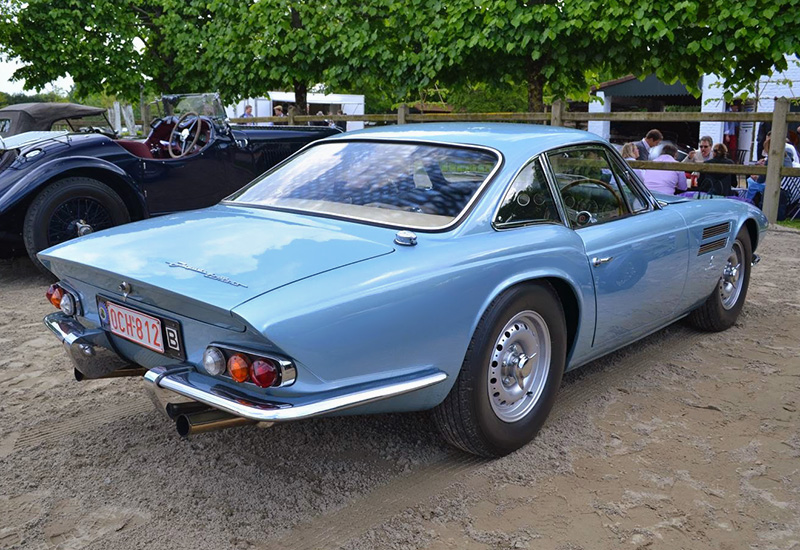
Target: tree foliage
pixel 13 99
pixel 560 48
pixel 247 47
pixel 117 46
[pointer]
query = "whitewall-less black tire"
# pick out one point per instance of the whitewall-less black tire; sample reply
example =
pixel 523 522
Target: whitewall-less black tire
pixel 510 375
pixel 722 307
pixel 68 208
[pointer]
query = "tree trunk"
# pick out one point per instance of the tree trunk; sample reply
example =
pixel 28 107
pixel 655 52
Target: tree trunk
pixel 535 87
pixel 301 98
pixel 300 88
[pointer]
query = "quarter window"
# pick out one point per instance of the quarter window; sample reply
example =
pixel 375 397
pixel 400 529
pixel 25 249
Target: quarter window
pixel 528 199
pixel 634 197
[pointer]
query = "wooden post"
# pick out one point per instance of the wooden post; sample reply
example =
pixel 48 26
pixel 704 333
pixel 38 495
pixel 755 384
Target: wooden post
pixel 776 151
pixel 557 113
pixel 146 117
pixel 402 111
pixel 143 110
pixel 117 122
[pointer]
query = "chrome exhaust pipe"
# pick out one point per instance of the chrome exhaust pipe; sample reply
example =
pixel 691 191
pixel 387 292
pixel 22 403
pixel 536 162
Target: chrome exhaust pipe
pixel 174 410
pixel 119 373
pixel 208 421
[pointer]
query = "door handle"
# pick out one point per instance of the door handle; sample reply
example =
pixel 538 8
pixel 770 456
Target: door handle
pixel 597 262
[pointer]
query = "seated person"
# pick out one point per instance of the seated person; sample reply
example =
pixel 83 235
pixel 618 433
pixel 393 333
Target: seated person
pixel 717 184
pixel 630 152
pixel 754 189
pixel 666 181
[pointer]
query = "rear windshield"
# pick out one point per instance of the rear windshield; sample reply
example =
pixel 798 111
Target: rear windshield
pixel 405 184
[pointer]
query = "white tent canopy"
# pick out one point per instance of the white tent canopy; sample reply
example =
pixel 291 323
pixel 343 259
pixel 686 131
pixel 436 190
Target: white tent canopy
pixel 349 104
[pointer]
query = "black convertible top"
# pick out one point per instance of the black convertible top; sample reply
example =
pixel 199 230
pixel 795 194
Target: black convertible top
pixel 28 117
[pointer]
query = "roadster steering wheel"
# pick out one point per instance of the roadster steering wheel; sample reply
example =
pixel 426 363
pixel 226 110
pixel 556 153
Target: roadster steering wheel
pixel 601 183
pixel 187 133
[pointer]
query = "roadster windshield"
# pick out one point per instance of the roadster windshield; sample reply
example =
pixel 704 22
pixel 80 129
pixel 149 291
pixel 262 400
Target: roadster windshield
pixel 404 184
pixel 202 104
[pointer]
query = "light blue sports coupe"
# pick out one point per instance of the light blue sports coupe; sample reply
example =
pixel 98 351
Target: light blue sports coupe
pixel 461 268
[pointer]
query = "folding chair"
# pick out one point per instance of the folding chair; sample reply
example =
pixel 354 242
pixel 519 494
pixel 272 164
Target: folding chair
pixel 792 186
pixel 741 155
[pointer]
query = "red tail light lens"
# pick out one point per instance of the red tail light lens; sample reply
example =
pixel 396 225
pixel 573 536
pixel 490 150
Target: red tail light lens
pixel 239 367
pixel 264 372
pixel 54 295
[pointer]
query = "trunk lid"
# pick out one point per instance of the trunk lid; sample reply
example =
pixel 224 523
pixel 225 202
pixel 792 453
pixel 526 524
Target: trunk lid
pixel 220 256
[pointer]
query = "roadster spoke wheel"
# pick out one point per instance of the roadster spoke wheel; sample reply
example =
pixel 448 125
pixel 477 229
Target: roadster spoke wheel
pixel 731 282
pixel 519 366
pixel 70 208
pixel 77 217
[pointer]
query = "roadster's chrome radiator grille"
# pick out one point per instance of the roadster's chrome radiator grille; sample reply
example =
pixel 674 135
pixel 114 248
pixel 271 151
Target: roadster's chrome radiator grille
pixel 713 245
pixel 714 230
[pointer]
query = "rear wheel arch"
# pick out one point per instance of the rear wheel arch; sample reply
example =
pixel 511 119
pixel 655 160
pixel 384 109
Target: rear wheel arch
pixel 15 215
pixel 65 208
pixel 129 196
pixel 571 306
pixel 568 297
pixel 752 229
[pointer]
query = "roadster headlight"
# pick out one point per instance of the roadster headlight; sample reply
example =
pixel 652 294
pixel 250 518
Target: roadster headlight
pixel 213 361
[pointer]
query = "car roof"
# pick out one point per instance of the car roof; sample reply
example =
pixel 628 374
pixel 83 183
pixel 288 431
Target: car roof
pixel 54 111
pixel 508 138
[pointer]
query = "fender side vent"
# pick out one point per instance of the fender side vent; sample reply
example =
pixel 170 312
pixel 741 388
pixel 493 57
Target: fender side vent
pixel 713 245
pixel 714 230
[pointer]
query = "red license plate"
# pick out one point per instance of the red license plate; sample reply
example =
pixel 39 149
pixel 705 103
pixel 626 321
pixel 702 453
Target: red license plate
pixel 134 326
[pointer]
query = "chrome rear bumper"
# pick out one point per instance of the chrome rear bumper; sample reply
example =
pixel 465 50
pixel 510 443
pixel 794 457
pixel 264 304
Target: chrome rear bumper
pixel 93 356
pixel 90 350
pixel 189 383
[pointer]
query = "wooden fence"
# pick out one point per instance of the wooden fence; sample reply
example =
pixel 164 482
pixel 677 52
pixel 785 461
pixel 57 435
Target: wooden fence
pixel 558 116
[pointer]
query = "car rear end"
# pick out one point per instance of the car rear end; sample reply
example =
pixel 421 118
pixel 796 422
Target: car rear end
pixel 131 310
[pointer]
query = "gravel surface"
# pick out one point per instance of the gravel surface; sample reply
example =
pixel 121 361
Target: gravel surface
pixel 682 440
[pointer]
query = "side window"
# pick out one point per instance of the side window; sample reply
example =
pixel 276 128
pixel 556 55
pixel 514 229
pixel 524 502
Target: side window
pixel 588 186
pixel 528 199
pixel 636 201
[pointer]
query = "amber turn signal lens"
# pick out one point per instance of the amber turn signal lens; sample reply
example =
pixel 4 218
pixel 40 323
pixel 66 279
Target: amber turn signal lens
pixel 239 367
pixel 54 295
pixel 264 373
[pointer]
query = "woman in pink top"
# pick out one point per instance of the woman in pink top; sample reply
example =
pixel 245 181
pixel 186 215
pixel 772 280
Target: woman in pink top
pixel 665 181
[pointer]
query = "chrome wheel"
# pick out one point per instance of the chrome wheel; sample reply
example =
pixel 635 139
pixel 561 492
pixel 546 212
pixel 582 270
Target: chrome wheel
pixel 732 280
pixel 519 366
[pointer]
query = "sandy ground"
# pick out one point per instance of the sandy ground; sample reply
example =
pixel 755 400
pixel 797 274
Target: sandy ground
pixel 683 440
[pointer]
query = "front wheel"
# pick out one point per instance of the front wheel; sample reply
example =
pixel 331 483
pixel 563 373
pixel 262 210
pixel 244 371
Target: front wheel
pixel 722 307
pixel 510 375
pixel 70 208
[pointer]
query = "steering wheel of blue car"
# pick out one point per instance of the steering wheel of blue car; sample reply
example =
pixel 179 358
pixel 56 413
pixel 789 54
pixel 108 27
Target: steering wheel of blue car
pixel 607 186
pixel 184 134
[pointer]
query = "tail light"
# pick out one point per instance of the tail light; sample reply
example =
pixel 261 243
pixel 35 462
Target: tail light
pixel 54 295
pixel 67 304
pixel 63 299
pixel 248 366
pixel 264 372
pixel 213 361
pixel 239 367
